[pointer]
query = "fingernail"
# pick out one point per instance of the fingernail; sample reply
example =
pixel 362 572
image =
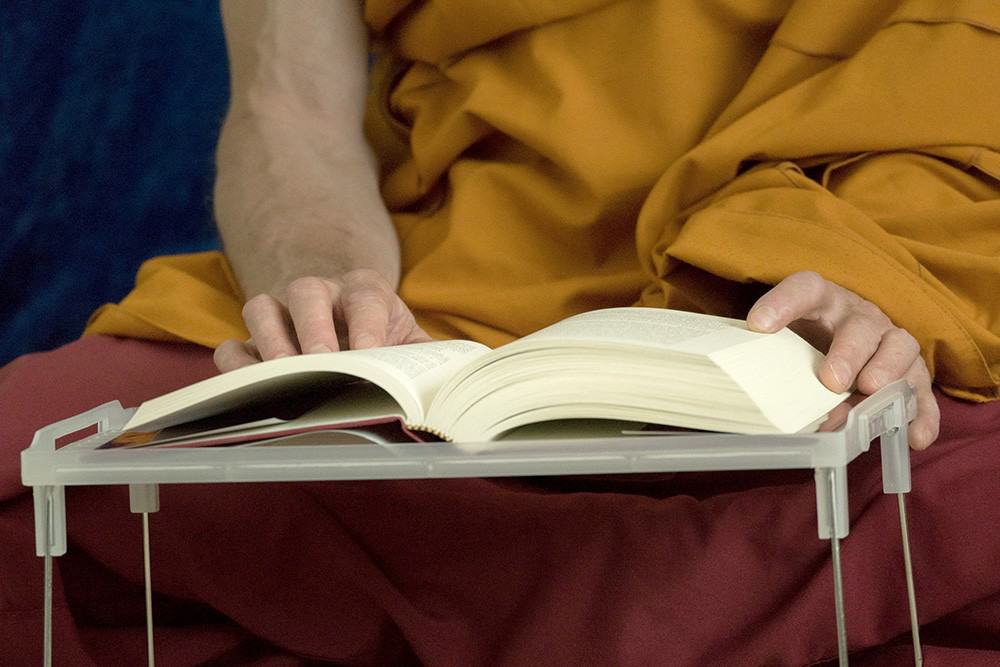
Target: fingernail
pixel 763 317
pixel 319 349
pixel 840 372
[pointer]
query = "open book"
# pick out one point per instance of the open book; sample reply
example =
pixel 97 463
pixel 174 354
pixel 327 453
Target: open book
pixel 596 371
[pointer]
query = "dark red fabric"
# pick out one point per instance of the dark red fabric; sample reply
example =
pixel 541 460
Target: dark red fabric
pixel 687 569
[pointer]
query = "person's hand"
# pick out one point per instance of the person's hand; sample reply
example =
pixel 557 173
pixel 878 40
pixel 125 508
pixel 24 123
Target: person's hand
pixel 864 348
pixel 360 310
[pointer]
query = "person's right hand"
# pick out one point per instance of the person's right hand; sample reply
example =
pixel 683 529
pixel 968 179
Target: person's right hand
pixel 359 310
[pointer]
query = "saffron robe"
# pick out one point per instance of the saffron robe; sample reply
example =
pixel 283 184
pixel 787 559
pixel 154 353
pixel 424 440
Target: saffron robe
pixel 542 159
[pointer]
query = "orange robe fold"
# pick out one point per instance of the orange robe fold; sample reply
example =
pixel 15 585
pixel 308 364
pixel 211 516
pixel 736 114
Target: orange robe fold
pixel 178 298
pixel 542 159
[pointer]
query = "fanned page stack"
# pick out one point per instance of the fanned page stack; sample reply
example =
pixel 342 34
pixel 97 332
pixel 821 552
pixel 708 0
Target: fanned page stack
pixel 588 373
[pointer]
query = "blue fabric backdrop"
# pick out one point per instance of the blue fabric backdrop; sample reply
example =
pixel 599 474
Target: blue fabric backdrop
pixel 109 112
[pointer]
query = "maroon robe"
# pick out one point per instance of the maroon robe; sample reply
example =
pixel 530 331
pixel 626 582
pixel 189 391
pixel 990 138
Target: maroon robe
pixel 672 569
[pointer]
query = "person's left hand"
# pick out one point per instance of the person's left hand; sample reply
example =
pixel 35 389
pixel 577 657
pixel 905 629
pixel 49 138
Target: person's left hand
pixel 864 348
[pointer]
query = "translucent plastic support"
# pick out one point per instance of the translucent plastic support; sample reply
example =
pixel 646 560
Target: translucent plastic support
pixel 831 507
pixel 884 414
pixel 896 460
pixel 50 520
pixel 143 498
pixel 107 417
pixel 50 504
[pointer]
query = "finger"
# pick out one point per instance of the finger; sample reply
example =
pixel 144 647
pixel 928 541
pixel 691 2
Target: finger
pixel 311 306
pixel 415 334
pixel 270 327
pixel 403 327
pixel 232 354
pixel 925 428
pixel 804 295
pixel 896 354
pixel 367 303
pixel 856 339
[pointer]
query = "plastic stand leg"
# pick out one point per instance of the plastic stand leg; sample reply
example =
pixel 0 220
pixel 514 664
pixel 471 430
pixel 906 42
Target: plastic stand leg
pixel 896 479
pixel 911 595
pixel 833 480
pixel 50 501
pixel 46 496
pixel 143 499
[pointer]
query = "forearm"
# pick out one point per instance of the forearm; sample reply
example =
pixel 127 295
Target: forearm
pixel 296 191
pixel 286 209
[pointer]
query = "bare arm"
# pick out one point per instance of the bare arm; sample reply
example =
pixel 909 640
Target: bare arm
pixel 296 194
pixel 297 187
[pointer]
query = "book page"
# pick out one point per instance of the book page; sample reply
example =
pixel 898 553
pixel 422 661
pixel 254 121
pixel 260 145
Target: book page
pixel 410 374
pixel 425 366
pixel 781 374
pixel 639 364
pixel 652 327
pixel 343 405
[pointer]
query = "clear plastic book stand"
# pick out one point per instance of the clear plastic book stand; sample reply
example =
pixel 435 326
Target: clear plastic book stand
pixel 884 415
